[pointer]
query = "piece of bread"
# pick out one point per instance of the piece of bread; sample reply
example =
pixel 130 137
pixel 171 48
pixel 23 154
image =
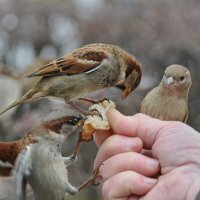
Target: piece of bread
pixel 96 122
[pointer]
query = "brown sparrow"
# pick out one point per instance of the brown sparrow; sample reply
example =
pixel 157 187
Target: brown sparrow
pixel 55 122
pixel 169 100
pixel 38 160
pixel 85 70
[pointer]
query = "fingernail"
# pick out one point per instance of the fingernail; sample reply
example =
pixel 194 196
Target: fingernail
pixel 152 163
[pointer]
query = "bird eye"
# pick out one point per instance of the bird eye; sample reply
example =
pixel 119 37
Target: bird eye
pixel 182 78
pixel 73 121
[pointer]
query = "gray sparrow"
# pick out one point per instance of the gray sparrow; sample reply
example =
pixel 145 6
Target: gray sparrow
pixel 169 100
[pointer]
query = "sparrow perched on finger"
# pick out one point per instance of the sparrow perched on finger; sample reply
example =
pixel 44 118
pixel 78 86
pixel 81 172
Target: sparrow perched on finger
pixel 37 158
pixel 169 100
pixel 87 69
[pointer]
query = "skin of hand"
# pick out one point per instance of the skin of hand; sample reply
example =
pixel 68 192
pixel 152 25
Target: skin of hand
pixel 139 148
pixel 169 100
pixel 87 69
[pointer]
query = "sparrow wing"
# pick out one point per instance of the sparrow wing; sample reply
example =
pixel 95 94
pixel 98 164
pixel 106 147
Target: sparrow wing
pixel 21 172
pixel 84 60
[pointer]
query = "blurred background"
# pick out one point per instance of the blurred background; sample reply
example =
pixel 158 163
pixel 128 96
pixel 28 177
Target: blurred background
pixel 33 32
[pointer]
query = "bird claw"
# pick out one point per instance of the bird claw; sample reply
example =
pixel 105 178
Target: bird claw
pixel 104 99
pixel 73 157
pixel 69 160
pixel 94 183
pixel 95 112
pixel 96 176
pixel 94 101
pixel 88 100
pixel 92 180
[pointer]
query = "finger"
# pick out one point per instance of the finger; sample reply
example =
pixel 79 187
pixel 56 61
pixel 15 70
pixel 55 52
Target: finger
pixel 139 125
pixel 125 184
pixel 129 161
pixel 100 136
pixel 116 144
pixel 134 197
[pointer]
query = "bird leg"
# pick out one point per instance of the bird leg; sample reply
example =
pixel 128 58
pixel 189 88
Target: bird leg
pixel 78 108
pixel 80 139
pixel 69 160
pixel 92 180
pixel 86 113
pixel 93 101
pixel 89 100
pixel 95 112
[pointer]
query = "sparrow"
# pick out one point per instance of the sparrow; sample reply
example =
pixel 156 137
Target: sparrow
pixel 169 100
pixel 37 159
pixel 56 122
pixel 87 69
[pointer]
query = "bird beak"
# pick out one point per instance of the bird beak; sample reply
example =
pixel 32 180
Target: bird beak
pixel 125 92
pixel 81 122
pixel 169 81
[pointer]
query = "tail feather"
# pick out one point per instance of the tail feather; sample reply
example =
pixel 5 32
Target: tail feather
pixel 29 96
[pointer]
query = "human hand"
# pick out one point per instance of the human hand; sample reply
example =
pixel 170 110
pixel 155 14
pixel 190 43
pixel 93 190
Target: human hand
pixel 126 171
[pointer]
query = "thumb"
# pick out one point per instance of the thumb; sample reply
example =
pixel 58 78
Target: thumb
pixel 138 125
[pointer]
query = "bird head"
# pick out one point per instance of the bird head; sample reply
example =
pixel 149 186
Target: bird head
pixel 132 78
pixel 176 77
pixel 63 121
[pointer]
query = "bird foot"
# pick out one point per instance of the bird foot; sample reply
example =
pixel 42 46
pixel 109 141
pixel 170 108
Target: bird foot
pixel 88 100
pixel 94 112
pixel 96 176
pixel 86 113
pixel 94 101
pixel 104 99
pixel 94 180
pixel 69 160
pixel 76 148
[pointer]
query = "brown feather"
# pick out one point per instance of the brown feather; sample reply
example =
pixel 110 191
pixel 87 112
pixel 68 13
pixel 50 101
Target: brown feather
pixel 75 63
pixel 9 151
